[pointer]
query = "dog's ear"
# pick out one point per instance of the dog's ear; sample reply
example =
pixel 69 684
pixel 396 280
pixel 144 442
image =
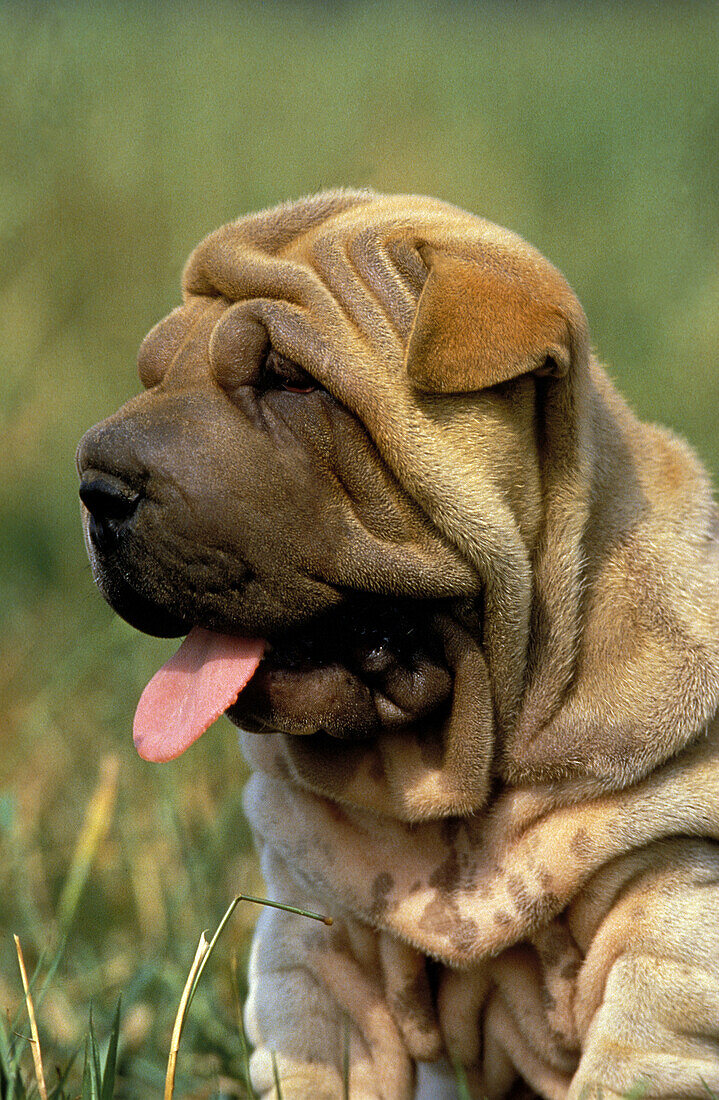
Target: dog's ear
pixel 482 321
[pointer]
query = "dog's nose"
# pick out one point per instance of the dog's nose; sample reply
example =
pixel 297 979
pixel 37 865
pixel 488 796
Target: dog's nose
pixel 111 504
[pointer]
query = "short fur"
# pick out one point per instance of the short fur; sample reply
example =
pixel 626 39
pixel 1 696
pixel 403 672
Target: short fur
pixel 522 862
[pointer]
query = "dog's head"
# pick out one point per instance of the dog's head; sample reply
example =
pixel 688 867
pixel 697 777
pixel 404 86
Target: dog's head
pixel 375 471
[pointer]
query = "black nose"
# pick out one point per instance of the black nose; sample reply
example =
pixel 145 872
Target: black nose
pixel 111 504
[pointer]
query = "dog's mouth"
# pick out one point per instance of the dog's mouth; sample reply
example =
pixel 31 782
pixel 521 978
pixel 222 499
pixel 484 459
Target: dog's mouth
pixel 350 674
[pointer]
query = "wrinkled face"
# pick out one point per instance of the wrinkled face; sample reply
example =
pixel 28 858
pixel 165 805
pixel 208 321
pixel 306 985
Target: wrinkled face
pixel 254 504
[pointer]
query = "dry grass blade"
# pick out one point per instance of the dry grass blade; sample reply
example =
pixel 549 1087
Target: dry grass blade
pixel 228 913
pixel 203 949
pixel 35 1038
pixel 98 817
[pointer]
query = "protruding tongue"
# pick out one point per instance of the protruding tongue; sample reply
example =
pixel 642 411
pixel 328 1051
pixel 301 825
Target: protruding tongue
pixel 191 690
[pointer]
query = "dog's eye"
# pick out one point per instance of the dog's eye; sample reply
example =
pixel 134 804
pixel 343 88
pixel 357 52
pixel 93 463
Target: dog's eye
pixel 280 373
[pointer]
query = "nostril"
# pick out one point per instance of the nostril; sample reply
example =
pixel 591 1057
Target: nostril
pixel 111 503
pixel 106 496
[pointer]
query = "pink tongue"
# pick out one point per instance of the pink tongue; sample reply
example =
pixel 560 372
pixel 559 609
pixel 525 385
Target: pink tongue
pixel 194 688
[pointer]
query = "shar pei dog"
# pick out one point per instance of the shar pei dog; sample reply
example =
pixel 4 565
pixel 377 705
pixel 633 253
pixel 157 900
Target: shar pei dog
pixel 464 607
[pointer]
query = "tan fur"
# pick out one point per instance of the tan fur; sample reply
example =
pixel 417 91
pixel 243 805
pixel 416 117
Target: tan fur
pixel 553 847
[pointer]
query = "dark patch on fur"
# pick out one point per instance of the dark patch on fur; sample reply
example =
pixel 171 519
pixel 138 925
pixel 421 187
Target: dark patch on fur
pixel 546 878
pixel 570 969
pixel 379 892
pixel 281 766
pixel 551 951
pixel 517 890
pixel 441 917
pixel 582 845
pixel 446 877
pixel 449 828
pixel 536 908
pixel 414 1003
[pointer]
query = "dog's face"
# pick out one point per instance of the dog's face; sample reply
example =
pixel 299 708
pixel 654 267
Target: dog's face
pixel 261 487
pixel 364 463
pixel 241 494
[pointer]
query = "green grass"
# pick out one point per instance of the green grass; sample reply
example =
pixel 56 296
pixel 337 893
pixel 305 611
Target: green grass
pixel 129 131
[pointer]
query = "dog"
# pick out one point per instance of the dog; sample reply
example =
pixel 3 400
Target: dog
pixel 464 607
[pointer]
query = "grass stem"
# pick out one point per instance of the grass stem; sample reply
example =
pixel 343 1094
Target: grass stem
pixel 202 954
pixel 35 1037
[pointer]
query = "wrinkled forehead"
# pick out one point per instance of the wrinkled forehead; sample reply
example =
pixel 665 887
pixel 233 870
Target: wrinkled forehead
pixel 324 229
pixel 336 272
pixel 346 258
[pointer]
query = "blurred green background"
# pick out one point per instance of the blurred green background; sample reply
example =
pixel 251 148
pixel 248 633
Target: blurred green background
pixel 128 131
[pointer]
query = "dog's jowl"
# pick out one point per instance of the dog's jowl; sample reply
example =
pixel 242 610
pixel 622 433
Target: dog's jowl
pixel 464 607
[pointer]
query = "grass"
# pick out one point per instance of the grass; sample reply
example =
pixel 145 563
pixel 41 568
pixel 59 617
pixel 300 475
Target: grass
pixel 129 131
pixel 99 1073
pixel 98 1077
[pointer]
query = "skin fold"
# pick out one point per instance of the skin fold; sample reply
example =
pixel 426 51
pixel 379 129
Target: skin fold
pixel 483 733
